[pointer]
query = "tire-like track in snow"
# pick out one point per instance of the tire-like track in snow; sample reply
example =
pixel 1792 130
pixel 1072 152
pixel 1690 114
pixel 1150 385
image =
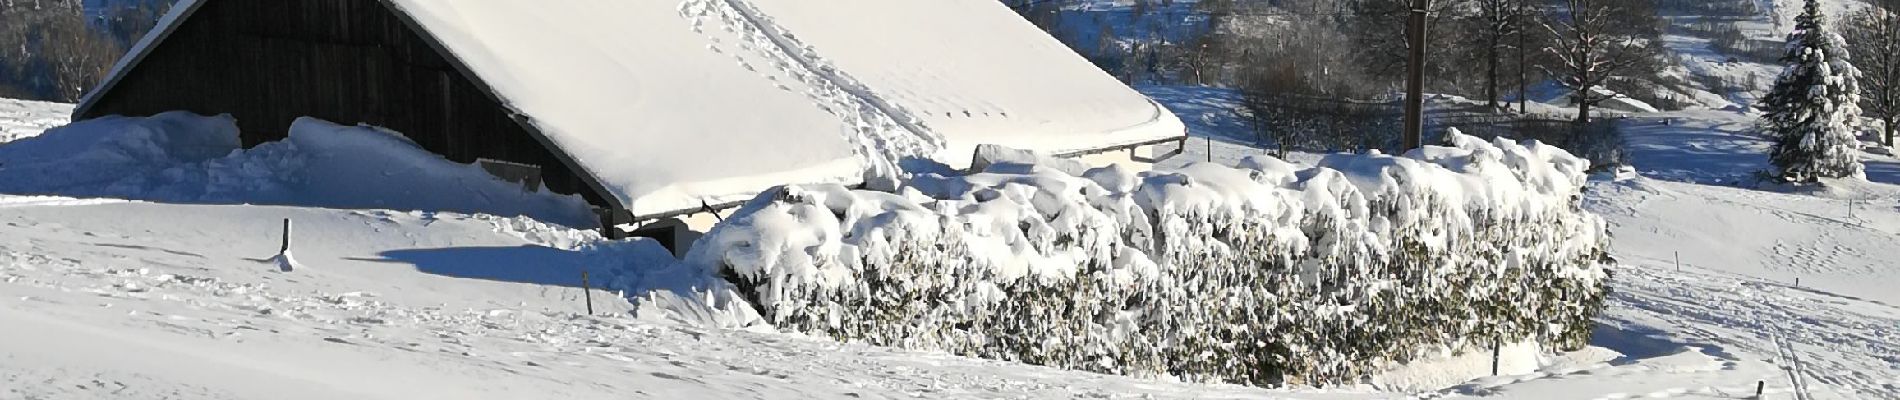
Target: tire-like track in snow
pixel 1845 347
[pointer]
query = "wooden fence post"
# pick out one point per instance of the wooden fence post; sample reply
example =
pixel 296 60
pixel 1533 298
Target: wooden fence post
pixel 286 247
pixel 1496 356
pixel 1210 149
pixel 587 293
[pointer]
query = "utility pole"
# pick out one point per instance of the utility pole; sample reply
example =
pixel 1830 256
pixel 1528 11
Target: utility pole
pixel 1415 78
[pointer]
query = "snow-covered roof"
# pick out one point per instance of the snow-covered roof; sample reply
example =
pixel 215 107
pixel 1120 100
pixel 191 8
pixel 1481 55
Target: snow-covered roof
pixel 976 73
pixel 664 117
pixel 671 105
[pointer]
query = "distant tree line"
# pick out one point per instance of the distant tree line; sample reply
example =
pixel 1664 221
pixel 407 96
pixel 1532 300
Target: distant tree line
pixel 1339 63
pixel 56 50
pixel 1275 51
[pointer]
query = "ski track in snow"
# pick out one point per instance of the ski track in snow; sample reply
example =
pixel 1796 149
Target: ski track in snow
pixel 1840 341
pixel 1701 333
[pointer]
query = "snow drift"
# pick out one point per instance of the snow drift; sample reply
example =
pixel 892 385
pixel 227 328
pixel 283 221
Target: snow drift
pixel 183 157
pixel 1266 274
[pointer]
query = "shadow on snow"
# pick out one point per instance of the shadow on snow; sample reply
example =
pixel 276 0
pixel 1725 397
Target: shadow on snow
pixel 529 264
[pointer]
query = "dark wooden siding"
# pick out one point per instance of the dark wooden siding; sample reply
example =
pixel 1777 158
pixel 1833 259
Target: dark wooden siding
pixel 268 62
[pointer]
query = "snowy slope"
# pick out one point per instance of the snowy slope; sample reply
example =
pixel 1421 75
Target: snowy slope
pixel 21 119
pixel 1703 203
pixel 1104 31
pixel 1698 62
pixel 1762 267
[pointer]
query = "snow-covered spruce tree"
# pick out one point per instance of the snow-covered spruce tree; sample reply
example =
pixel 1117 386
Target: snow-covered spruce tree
pixel 1813 111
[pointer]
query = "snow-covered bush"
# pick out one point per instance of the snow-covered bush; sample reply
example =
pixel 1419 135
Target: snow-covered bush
pixel 1265 274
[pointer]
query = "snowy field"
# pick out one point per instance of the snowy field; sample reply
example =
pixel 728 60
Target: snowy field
pixel 1722 283
pixel 22 118
pixel 114 299
pixel 102 299
pixel 1742 250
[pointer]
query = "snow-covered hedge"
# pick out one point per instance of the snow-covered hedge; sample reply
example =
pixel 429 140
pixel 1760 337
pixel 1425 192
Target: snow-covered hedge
pixel 1267 273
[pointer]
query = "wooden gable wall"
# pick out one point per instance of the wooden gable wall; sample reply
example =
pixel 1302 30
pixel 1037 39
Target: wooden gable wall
pixel 268 62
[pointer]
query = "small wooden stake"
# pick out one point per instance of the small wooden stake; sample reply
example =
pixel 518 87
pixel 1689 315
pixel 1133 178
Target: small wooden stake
pixel 1678 261
pixel 1496 356
pixel 587 293
pixel 286 247
pixel 1759 385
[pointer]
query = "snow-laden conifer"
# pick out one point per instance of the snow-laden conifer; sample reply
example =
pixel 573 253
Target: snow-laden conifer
pixel 1813 109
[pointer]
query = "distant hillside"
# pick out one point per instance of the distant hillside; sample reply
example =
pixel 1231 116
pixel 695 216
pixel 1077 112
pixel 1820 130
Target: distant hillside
pixel 1138 41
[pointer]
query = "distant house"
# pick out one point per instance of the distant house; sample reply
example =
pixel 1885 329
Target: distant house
pixel 650 109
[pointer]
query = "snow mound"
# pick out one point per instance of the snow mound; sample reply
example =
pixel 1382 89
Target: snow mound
pixel 102 153
pixel 285 262
pixel 183 157
pixel 1179 272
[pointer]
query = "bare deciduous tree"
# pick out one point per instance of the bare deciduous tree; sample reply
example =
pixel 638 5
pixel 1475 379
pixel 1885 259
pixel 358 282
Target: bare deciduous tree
pixel 1494 21
pixel 1378 29
pixel 1594 41
pixel 48 45
pixel 1873 37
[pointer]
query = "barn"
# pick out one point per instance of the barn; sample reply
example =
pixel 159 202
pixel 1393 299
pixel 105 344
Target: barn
pixel 650 109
